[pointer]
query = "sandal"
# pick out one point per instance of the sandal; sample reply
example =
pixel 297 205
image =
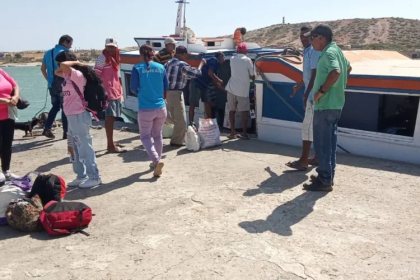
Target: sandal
pixel 313 162
pixel 119 145
pixel 232 136
pixel 245 136
pixel 296 165
pixel 117 150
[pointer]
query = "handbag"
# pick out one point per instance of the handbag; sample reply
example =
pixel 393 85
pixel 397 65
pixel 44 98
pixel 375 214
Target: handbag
pixel 23 103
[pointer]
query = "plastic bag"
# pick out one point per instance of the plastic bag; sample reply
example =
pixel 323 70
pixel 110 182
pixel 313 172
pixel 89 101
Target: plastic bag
pixel 8 193
pixel 192 140
pixel 209 133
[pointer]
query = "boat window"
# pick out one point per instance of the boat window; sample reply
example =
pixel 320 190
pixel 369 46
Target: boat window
pixel 127 78
pixel 211 44
pixel 157 44
pixel 384 113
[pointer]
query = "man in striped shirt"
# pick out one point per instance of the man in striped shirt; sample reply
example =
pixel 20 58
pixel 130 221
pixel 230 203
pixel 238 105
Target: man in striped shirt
pixel 167 53
pixel 179 72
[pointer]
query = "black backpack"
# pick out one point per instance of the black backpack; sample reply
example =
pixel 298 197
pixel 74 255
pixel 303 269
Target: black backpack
pixel 95 97
pixel 48 187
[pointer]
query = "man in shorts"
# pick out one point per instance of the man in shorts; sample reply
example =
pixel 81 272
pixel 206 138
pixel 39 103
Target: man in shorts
pixel 242 71
pixel 310 60
pixel 107 67
pixel 204 87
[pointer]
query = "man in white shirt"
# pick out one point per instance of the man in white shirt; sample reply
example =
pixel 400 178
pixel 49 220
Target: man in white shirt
pixel 238 88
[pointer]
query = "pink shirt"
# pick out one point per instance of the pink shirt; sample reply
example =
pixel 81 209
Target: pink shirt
pixel 110 78
pixel 6 86
pixel 72 103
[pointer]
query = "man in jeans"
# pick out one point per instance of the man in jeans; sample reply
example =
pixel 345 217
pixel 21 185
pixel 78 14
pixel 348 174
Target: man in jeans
pixel 49 65
pixel 332 73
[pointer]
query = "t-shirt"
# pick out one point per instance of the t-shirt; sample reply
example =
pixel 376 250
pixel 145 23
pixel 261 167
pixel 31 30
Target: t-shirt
pixel 50 63
pixel 149 84
pixel 72 103
pixel 331 58
pixel 310 61
pixel 110 78
pixel 6 86
pixel 241 69
pixel 205 79
pixel 164 56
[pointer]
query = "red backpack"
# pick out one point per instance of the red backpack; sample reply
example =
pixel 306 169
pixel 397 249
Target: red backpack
pixel 60 218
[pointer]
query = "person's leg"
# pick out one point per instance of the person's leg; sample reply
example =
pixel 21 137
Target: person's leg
pixel 157 128
pixel 244 107
pixel 8 131
pixel 82 143
pixel 56 107
pixel 335 117
pixel 194 100
pixel 145 120
pixel 232 111
pixel 208 96
pixel 323 128
pixel 176 98
pixel 109 130
pixel 78 166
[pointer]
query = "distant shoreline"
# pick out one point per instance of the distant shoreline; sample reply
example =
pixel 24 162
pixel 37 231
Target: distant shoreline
pixel 33 64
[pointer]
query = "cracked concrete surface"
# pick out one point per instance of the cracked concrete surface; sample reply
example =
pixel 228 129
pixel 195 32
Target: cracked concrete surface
pixel 233 212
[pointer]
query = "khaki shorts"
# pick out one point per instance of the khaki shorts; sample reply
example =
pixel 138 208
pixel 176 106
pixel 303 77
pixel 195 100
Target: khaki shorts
pixel 308 123
pixel 238 103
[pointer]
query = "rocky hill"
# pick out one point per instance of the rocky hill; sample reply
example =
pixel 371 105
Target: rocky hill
pixel 376 33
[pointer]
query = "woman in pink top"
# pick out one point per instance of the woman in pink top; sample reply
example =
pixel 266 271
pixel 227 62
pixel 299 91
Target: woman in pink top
pixel 8 114
pixel 76 74
pixel 107 67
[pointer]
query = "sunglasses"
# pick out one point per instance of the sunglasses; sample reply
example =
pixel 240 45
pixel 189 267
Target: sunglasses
pixel 314 36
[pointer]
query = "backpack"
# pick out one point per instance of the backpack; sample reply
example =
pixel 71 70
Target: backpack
pixel 24 214
pixel 60 218
pixel 49 187
pixel 94 97
pixel 8 193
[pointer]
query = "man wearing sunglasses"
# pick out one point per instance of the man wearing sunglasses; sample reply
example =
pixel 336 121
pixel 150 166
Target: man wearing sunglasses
pixel 330 82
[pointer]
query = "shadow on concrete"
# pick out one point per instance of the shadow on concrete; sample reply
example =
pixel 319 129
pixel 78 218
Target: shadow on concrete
pixel 79 194
pixel 33 145
pixel 51 165
pixel 277 184
pixel 7 232
pixel 285 216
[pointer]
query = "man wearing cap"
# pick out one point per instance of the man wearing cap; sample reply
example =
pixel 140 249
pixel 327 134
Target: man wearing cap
pixel 238 88
pixel 330 82
pixel 179 72
pixel 49 65
pixel 107 67
pixel 167 53
pixel 310 60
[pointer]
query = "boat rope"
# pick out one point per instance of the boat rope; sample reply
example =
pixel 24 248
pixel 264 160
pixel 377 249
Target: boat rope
pixel 45 105
pixel 286 55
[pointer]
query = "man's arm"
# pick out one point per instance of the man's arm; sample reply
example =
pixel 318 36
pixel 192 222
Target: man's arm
pixel 99 65
pixel 192 72
pixel 296 88
pixel 134 81
pixel 44 71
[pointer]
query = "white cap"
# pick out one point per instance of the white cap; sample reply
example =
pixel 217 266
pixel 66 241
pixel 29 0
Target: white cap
pixel 111 42
pixel 170 40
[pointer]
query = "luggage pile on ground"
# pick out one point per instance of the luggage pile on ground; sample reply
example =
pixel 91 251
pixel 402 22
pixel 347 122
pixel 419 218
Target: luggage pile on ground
pixel 34 205
pixel 207 135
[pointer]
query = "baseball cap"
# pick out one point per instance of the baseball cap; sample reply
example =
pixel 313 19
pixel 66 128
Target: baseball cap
pixel 323 30
pixel 170 40
pixel 241 48
pixel 111 42
pixel 181 50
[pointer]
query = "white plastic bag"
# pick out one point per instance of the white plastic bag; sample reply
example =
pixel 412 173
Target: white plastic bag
pixel 192 141
pixel 168 130
pixel 209 133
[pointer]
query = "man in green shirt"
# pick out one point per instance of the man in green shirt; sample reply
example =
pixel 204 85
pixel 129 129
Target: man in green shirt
pixel 330 82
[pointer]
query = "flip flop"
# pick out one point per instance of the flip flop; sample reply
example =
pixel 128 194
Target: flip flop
pixel 117 150
pixel 245 137
pixel 312 162
pixel 295 165
pixel 119 145
pixel 230 136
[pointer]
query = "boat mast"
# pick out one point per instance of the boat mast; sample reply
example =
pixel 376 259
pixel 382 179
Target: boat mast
pixel 182 5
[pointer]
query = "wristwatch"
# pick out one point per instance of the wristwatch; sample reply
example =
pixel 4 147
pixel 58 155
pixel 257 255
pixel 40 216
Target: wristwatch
pixel 320 90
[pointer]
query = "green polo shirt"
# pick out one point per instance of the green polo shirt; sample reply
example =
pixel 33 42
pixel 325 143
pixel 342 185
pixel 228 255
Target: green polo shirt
pixel 331 58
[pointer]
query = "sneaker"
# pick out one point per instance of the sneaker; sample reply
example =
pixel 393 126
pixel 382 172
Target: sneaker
pixel 77 182
pixel 314 178
pixel 158 169
pixel 90 183
pixel 317 186
pixel 48 133
pixel 10 176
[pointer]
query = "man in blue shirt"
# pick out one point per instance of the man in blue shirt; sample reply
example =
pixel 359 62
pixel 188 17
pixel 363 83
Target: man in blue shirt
pixel 204 87
pixel 49 65
pixel 310 60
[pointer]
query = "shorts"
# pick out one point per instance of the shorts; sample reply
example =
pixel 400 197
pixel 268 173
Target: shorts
pixel 206 95
pixel 308 123
pixel 114 108
pixel 237 103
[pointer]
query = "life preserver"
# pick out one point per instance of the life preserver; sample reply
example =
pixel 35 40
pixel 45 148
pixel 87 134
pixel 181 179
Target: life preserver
pixel 237 36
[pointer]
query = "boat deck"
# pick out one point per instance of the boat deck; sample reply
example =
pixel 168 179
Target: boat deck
pixel 233 212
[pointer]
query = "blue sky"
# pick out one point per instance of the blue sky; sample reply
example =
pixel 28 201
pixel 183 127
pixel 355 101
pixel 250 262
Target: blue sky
pixel 37 24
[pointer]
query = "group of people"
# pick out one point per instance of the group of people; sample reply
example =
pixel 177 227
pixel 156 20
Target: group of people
pixel 325 74
pixel 159 81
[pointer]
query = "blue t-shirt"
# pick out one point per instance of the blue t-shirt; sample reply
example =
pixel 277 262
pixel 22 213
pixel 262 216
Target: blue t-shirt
pixel 149 85
pixel 310 60
pixel 50 63
pixel 205 79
